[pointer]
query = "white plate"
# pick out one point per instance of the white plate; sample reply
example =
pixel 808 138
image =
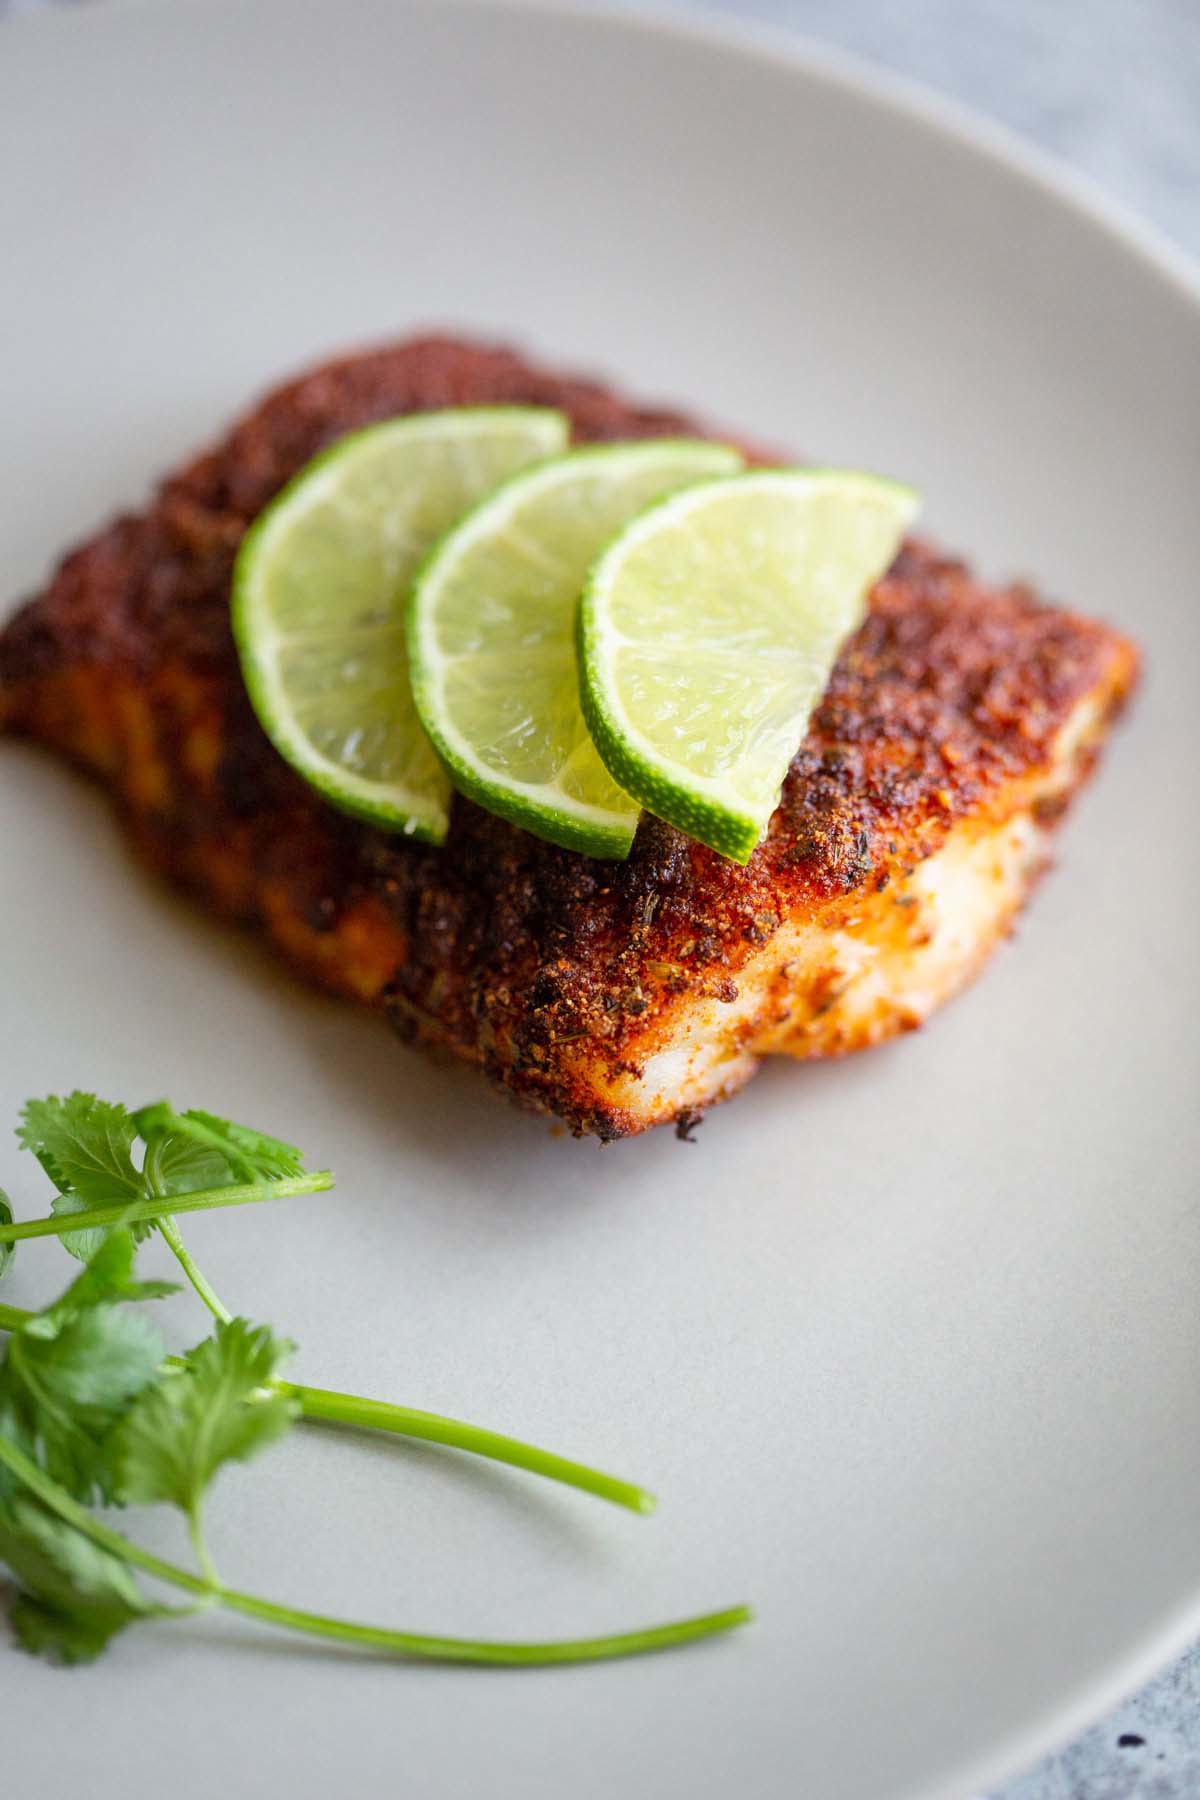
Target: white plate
pixel 910 1347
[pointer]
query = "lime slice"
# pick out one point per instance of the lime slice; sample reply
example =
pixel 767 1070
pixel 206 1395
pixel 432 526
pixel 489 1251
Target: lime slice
pixel 708 631
pixel 319 593
pixel 492 637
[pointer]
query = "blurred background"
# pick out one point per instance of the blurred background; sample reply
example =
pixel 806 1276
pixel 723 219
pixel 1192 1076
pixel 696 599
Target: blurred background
pixel 1112 89
pixel 1110 86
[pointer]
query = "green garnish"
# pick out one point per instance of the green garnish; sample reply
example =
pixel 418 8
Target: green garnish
pixel 194 1160
pixel 7 1252
pixel 93 1412
pixel 92 1143
pixel 72 1370
pixel 150 1211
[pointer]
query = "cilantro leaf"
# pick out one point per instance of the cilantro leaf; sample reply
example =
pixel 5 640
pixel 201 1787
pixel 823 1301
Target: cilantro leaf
pixel 268 1157
pixel 250 1154
pixel 7 1251
pixel 70 1373
pixel 85 1146
pixel 178 1164
pixel 72 1597
pixel 60 1397
pixel 180 1432
pixel 107 1279
pixel 193 1150
pixel 84 1244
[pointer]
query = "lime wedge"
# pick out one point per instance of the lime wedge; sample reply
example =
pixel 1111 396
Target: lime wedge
pixel 319 593
pixel 708 631
pixel 492 637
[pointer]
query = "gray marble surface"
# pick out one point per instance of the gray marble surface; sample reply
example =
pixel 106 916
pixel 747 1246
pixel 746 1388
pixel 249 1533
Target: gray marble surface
pixel 1112 87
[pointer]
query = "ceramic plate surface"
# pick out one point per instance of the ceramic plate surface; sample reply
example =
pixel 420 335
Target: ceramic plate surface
pixel 909 1347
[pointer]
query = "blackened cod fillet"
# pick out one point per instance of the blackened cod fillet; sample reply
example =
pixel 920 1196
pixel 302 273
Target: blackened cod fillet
pixel 913 822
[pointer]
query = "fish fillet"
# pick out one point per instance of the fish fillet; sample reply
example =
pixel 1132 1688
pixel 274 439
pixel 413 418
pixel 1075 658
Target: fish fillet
pixel 914 820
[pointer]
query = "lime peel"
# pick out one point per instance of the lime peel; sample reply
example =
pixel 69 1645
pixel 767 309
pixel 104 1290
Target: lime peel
pixel 319 589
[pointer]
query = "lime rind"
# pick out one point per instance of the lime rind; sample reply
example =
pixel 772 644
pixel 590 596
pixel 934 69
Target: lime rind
pixel 580 808
pixel 717 810
pixel 415 798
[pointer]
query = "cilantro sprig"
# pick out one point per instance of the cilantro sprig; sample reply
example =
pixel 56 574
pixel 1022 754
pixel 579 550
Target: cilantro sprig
pixel 196 1161
pixel 94 1412
pixel 193 1161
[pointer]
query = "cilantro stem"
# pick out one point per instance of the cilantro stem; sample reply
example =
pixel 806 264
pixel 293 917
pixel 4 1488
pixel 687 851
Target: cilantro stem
pixel 369 1637
pixel 201 1551
pixel 173 1238
pixel 325 1406
pixel 482 1650
pixel 433 1428
pixel 133 1212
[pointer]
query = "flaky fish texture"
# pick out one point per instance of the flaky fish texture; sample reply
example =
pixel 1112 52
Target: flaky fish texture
pixel 913 822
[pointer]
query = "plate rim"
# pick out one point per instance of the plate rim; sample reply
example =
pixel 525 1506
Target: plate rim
pixel 765 43
pixel 856 77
